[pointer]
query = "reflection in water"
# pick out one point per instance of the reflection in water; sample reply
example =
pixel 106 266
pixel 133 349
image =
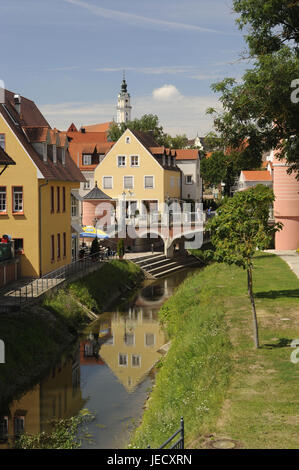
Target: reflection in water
pixel 110 368
pixel 57 396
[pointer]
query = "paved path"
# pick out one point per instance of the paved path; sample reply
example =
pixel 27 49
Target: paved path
pixel 291 257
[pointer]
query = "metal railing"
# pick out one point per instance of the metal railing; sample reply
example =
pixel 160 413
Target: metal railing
pixel 38 286
pixel 179 444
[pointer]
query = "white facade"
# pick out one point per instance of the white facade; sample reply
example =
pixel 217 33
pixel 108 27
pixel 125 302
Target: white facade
pixel 191 180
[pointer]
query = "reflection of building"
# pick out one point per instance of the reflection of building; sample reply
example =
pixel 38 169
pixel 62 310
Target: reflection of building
pixel 57 396
pixel 131 354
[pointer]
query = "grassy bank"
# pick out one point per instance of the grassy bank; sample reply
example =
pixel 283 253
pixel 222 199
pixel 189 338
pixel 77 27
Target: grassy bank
pixel 213 376
pixel 36 337
pixel 95 291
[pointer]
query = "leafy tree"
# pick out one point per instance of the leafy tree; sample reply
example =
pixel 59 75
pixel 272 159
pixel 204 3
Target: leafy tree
pixel 260 110
pixel 178 142
pixel 95 247
pixel 239 228
pixel 148 122
pixel 120 248
pixel 272 23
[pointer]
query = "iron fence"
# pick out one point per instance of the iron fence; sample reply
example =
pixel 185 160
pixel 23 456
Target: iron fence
pixel 38 286
pixel 178 444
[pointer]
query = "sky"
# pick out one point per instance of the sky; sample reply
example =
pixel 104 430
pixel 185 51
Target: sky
pixel 69 55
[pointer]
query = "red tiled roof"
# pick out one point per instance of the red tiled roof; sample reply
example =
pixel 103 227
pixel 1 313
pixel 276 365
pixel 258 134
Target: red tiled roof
pixel 260 175
pixel 30 117
pixel 87 137
pixel 102 127
pixel 187 154
pixel 36 134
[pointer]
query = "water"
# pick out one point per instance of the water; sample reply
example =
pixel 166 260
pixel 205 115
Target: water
pixel 109 371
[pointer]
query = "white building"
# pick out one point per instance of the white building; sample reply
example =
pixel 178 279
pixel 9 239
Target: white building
pixel 188 162
pixel 123 104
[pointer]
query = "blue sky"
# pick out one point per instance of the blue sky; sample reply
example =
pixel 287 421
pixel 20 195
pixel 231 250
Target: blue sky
pixel 68 56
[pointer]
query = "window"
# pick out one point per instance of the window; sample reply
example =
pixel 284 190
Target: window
pixel 87 160
pixel 52 248
pixel 64 244
pixel 122 359
pixel 121 160
pixel 134 160
pixel 149 339
pixel 3 428
pixel 188 179
pixel 86 184
pixel 172 181
pixel 58 198
pixel 19 425
pixel 107 182
pixel 74 206
pixel 17 199
pixel 52 199
pixel 58 245
pixel 129 339
pixel 3 207
pixel 63 199
pixel 2 141
pixel 148 182
pixel 136 360
pixel 128 182
pixel 128 140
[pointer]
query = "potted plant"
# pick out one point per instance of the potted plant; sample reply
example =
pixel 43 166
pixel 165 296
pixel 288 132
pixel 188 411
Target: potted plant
pixel 120 248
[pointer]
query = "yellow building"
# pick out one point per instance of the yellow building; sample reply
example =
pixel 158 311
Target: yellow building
pixel 35 194
pixel 136 170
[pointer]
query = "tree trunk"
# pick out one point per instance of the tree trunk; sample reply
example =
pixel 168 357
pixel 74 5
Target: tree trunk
pixel 250 293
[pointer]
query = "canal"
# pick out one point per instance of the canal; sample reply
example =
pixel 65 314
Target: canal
pixel 110 371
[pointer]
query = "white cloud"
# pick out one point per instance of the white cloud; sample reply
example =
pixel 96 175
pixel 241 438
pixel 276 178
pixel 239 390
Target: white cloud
pixel 166 92
pixel 139 20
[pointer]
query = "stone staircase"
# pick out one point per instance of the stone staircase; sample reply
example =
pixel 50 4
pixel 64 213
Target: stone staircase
pixel 157 265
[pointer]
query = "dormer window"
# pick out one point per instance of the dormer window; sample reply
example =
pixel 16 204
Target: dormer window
pixel 45 151
pixel 87 160
pixel 54 154
pixel 63 156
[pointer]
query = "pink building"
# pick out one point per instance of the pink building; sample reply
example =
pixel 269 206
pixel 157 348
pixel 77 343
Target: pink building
pixel 97 207
pixel 286 206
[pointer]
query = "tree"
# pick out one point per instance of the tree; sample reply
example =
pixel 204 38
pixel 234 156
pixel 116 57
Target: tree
pixel 239 229
pixel 148 122
pixel 261 109
pixel 120 248
pixel 95 248
pixel 273 23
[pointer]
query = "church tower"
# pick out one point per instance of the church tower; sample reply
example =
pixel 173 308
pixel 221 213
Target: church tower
pixel 123 104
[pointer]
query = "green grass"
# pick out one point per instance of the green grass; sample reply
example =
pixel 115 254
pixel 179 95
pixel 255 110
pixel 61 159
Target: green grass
pixel 213 376
pixel 94 291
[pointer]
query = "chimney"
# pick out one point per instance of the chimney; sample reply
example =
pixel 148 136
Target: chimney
pixel 17 102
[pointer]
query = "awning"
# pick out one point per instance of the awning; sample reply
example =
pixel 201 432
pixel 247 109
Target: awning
pixel 91 232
